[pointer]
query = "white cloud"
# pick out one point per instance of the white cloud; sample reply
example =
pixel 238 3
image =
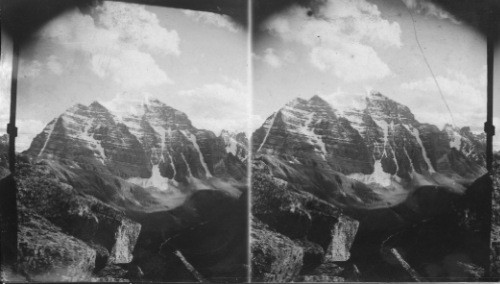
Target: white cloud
pixel 271 58
pixel 342 101
pixel 350 62
pixel 217 106
pixel 427 8
pixel 131 69
pixel 54 65
pixel 118 40
pixel 465 96
pixel 274 60
pixel 341 36
pixel 218 20
pixel 137 27
pixel 289 56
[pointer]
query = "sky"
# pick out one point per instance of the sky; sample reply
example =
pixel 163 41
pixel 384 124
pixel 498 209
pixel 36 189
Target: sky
pixel 193 61
pixel 198 63
pixel 342 50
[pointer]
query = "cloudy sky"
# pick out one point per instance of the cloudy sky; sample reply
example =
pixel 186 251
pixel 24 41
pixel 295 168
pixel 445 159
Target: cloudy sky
pixel 343 49
pixel 193 61
pixel 197 62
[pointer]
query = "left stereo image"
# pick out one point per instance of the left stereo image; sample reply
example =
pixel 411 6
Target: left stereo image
pixel 131 154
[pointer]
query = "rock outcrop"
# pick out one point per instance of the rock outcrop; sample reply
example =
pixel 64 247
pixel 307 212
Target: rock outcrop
pixel 66 235
pixel 343 233
pixel 297 229
pixel 83 217
pixel 275 258
pixel 46 254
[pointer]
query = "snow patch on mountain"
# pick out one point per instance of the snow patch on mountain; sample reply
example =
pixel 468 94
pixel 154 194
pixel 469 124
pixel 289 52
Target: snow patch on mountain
pixel 190 174
pixel 379 176
pixel 192 138
pixel 50 130
pixel 414 131
pixel 156 180
pixel 307 129
pixel 267 125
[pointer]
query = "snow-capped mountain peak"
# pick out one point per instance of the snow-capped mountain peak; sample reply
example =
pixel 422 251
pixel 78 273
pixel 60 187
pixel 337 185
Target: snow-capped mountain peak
pixel 145 141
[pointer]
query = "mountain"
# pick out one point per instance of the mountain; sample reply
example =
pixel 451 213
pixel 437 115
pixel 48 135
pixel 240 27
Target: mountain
pixel 380 150
pixel 236 144
pixel 145 143
pixel 129 188
pixel 367 194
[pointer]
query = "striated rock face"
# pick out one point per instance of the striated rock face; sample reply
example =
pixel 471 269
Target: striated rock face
pixel 381 145
pixel 47 254
pixel 148 143
pixel 312 132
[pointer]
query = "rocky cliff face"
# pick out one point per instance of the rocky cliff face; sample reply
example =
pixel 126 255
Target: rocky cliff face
pixel 147 143
pixel 46 254
pixel 295 235
pixel 81 224
pixel 381 145
pixel 312 132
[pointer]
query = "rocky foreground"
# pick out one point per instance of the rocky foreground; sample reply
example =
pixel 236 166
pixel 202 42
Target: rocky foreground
pixel 67 235
pixel 435 235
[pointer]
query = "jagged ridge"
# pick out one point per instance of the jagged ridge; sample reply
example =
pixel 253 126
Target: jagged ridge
pixel 146 142
pixel 380 144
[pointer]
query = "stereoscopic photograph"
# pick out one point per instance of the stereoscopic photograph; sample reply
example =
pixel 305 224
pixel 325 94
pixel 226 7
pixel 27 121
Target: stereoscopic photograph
pixel 244 141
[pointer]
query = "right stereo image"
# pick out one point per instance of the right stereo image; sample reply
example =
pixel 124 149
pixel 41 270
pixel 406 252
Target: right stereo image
pixel 369 144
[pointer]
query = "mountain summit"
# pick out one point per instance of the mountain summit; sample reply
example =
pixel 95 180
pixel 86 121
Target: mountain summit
pixel 145 142
pixel 381 144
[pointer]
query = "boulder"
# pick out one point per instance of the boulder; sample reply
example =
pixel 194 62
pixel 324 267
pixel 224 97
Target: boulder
pixel 313 255
pixel 45 253
pixel 343 235
pixel 111 273
pixel 77 214
pixel 275 258
pixel 126 236
pixel 280 208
